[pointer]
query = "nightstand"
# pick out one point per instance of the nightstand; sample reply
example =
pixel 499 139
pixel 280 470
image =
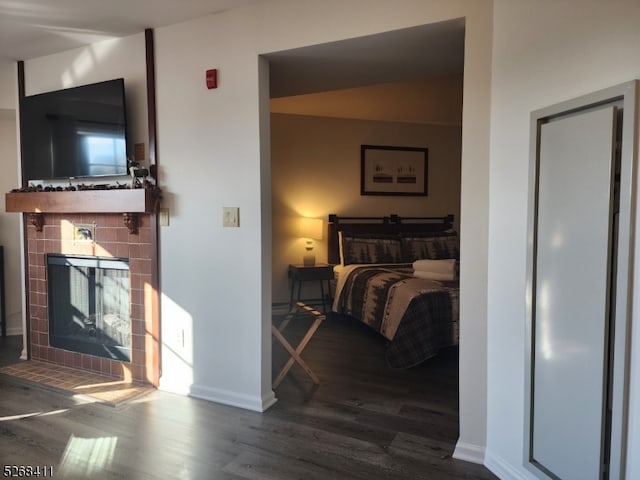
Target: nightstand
pixel 321 274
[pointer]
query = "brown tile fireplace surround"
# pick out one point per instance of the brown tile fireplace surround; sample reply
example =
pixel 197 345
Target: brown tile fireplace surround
pixel 51 219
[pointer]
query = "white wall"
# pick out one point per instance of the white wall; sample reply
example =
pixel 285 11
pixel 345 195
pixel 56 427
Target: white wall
pixel 544 53
pixel 8 85
pixel 209 140
pixel 9 222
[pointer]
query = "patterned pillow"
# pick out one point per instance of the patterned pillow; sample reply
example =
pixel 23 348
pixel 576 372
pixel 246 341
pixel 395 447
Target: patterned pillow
pixel 416 247
pixel 369 248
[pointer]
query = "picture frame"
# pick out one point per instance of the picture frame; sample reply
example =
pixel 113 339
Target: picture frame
pixel 393 170
pixel 84 233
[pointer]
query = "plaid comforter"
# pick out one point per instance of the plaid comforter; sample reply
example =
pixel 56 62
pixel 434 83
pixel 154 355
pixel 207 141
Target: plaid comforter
pixel 417 316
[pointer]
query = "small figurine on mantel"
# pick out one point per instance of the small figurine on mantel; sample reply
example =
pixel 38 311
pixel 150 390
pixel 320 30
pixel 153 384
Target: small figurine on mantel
pixel 138 174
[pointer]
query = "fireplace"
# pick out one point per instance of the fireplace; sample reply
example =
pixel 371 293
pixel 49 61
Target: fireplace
pixel 89 305
pixel 91 343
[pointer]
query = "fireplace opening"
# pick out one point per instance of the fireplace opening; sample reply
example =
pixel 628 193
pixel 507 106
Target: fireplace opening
pixel 89 305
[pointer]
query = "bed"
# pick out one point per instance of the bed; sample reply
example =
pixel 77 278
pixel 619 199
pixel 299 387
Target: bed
pixel 398 275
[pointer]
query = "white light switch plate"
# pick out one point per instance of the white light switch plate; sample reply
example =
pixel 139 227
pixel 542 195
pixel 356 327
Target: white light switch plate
pixel 163 217
pixel 230 217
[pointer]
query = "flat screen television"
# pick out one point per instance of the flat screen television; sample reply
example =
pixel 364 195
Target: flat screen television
pixel 76 132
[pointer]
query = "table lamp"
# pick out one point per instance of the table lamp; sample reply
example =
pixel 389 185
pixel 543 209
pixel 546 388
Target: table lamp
pixel 310 229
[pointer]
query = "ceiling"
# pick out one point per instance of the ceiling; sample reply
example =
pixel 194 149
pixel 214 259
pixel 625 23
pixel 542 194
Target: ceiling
pixel 435 49
pixel 36 28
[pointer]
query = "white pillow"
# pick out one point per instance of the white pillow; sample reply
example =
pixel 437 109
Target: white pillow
pixel 434 275
pixel 447 265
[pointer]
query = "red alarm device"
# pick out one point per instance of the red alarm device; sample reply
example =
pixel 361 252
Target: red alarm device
pixel 212 78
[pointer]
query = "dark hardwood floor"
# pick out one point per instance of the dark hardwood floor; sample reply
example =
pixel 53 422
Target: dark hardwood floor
pixel 365 421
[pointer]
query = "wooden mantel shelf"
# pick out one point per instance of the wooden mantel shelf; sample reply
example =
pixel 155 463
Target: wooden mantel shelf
pixel 129 202
pixel 125 200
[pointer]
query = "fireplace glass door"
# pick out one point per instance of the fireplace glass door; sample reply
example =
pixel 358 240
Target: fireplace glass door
pixel 89 306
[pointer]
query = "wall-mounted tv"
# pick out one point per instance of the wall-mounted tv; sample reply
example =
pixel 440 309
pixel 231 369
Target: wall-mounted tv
pixel 75 132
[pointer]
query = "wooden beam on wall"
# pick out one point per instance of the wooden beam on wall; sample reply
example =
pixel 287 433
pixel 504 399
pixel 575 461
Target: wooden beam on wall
pixel 21 95
pixel 153 218
pixel 151 100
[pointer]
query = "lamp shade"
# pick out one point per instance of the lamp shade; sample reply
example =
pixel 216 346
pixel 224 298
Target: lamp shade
pixel 310 228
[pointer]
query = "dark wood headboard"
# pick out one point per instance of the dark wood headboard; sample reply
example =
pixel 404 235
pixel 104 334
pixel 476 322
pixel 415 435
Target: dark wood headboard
pixel 393 224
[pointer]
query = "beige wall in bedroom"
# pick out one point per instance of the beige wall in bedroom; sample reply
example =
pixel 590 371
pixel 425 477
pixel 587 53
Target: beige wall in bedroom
pixel 315 157
pixel 315 164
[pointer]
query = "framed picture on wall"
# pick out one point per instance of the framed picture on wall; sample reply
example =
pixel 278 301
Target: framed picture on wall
pixel 391 170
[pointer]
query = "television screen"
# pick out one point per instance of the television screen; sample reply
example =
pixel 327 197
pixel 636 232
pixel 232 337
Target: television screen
pixel 75 132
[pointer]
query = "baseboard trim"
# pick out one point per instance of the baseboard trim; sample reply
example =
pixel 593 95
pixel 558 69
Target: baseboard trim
pixel 469 452
pixel 504 470
pixel 14 324
pixel 280 309
pixel 177 388
pixel 233 399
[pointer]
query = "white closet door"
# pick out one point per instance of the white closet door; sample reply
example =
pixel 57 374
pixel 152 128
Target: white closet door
pixel 574 216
